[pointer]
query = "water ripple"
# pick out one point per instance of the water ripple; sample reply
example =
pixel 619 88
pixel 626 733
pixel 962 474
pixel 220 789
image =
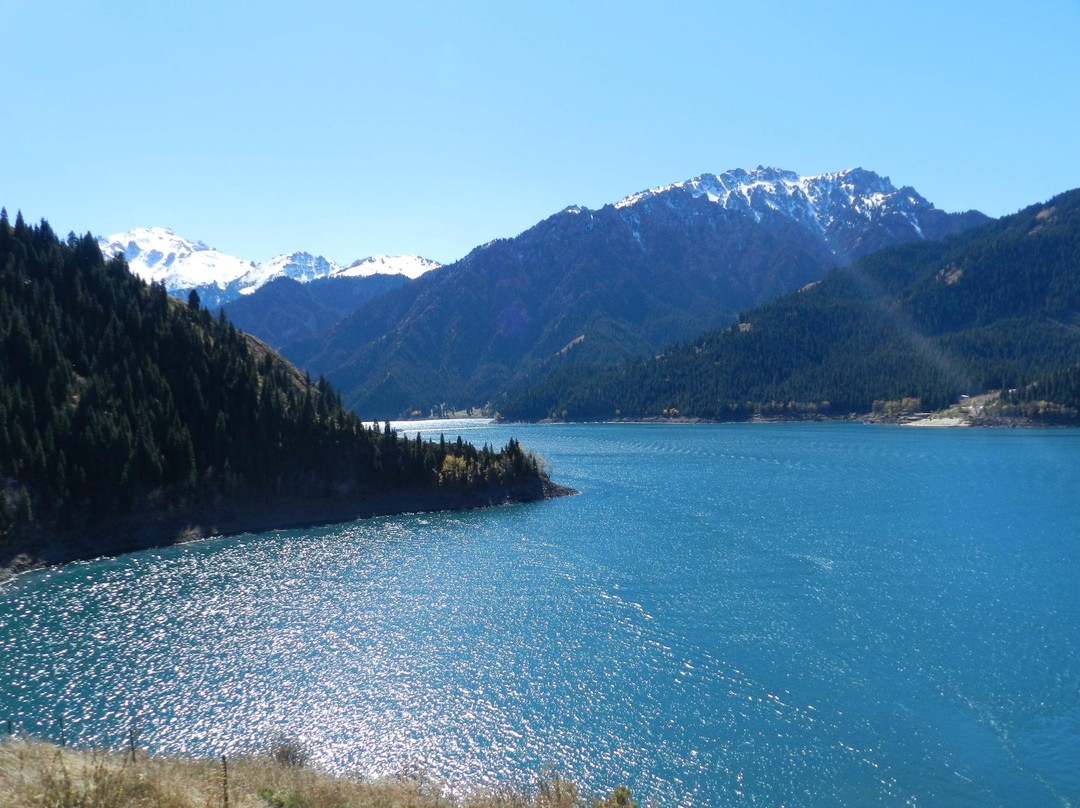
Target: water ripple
pixel 793 614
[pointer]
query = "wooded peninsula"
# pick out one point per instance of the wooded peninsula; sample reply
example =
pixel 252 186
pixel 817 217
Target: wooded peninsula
pixel 131 419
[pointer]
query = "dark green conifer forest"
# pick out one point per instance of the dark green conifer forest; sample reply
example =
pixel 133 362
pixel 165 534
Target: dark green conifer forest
pixel 1054 398
pixel 117 399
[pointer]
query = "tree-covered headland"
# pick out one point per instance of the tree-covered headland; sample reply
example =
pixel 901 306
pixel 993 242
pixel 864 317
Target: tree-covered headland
pixel 123 409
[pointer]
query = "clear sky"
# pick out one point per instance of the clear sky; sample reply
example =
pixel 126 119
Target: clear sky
pixel 356 128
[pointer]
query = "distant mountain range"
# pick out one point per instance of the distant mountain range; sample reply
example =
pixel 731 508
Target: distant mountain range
pixel 913 326
pixel 592 287
pixel 158 255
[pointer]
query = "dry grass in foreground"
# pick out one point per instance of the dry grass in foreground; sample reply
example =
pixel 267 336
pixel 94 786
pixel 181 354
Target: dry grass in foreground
pixel 34 774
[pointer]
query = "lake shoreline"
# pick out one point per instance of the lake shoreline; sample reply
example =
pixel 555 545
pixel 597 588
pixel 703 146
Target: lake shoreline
pixel 873 419
pixel 144 531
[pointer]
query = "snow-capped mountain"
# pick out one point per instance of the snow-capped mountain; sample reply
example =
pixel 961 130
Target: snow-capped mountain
pixel 807 199
pixel 411 266
pixel 300 266
pixel 158 255
pixel 854 211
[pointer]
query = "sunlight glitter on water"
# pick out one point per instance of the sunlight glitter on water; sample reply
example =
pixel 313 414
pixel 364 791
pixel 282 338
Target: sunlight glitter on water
pixel 787 614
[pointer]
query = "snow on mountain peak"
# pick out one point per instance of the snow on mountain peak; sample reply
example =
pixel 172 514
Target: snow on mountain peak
pixel 300 266
pixel 411 266
pixel 158 255
pixel 816 201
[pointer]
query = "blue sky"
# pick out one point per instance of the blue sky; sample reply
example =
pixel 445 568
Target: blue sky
pixel 352 128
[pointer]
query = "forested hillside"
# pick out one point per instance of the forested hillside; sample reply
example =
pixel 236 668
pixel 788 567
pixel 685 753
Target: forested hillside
pixel 594 287
pixel 997 307
pixel 1055 397
pixel 117 401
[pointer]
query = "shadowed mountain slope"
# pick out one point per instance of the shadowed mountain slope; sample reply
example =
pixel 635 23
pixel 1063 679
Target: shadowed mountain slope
pixel 286 310
pixel 593 287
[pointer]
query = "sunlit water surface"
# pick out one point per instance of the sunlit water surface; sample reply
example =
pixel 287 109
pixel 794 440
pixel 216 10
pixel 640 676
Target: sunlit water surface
pixel 780 614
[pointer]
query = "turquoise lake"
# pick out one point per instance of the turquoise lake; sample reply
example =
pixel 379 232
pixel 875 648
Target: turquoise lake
pixel 770 614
